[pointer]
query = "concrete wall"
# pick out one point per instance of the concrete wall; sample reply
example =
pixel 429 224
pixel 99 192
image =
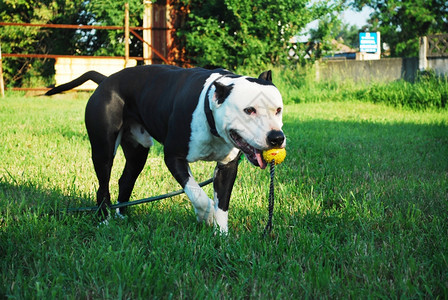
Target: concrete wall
pixel 433 55
pixel 67 69
pixel 385 69
pixel 439 65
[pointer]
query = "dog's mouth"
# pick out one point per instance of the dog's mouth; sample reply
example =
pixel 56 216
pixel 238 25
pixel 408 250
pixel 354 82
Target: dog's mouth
pixel 252 154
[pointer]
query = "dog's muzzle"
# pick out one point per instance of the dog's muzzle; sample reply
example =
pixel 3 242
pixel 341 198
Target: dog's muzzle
pixel 275 139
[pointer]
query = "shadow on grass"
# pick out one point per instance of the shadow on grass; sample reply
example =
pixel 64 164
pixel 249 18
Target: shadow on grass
pixel 17 199
pixel 25 200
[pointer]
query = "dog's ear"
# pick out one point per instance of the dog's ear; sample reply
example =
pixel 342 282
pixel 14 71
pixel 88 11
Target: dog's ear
pixel 222 91
pixel 266 76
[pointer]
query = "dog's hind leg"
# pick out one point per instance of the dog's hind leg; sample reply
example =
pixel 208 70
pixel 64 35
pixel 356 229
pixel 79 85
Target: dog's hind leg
pixel 136 156
pixel 103 120
pixel 102 157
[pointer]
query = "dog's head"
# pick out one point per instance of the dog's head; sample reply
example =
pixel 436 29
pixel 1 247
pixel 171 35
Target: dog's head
pixel 248 114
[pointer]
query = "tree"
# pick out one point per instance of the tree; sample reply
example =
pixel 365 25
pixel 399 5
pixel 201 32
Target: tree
pixel 106 12
pixel 254 33
pixel 402 22
pixel 328 28
pixel 349 35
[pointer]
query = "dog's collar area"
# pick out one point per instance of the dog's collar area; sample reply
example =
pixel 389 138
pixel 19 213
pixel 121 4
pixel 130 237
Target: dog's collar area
pixel 208 111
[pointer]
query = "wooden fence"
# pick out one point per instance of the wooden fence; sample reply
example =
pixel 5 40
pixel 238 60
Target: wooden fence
pixel 437 45
pixel 433 53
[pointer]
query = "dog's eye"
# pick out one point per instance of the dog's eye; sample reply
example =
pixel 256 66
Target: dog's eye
pixel 279 110
pixel 250 110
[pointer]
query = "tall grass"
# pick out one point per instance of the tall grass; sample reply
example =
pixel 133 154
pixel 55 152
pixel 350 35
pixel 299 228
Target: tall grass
pixel 426 92
pixel 360 212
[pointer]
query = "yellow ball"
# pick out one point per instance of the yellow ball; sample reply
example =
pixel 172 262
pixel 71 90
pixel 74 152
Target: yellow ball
pixel 276 154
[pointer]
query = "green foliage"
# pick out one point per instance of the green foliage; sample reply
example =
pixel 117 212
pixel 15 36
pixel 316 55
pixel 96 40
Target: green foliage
pixel 402 22
pixel 109 42
pixel 349 35
pixel 327 30
pixel 231 33
pixel 360 212
pixel 426 92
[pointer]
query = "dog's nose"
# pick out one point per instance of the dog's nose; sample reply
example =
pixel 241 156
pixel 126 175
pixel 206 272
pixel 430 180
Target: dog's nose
pixel 275 138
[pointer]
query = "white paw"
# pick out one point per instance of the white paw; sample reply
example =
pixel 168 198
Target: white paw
pixel 105 222
pixel 221 221
pixel 119 215
pixel 205 212
pixel 204 207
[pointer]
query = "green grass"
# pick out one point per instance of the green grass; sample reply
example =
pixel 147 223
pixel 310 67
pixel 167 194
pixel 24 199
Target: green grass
pixel 361 212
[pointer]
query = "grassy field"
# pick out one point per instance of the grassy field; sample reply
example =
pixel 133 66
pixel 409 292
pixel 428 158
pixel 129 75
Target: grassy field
pixel 361 212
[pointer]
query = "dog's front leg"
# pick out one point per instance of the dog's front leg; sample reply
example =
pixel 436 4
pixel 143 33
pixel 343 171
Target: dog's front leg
pixel 203 206
pixel 224 178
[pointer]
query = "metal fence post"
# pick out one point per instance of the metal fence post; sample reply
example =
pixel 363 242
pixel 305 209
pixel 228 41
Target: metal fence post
pixel 147 32
pixel 2 86
pixel 126 34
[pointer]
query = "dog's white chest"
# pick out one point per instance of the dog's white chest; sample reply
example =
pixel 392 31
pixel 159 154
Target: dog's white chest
pixel 203 145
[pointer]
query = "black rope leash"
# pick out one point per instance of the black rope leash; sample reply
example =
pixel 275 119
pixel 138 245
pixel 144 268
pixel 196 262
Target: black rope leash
pixel 141 201
pixel 274 156
pixel 268 227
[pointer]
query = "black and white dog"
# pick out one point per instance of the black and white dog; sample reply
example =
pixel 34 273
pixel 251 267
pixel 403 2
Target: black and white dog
pixel 197 114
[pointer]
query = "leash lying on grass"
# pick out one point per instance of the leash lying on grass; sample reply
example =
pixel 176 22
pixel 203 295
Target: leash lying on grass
pixel 135 202
pixel 274 156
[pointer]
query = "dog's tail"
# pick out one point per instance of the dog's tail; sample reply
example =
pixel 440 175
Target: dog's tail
pixel 90 75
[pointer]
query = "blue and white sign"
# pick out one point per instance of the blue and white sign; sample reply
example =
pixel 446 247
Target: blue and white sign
pixel 369 42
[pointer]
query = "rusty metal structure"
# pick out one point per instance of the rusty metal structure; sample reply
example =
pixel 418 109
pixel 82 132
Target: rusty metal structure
pixel 157 38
